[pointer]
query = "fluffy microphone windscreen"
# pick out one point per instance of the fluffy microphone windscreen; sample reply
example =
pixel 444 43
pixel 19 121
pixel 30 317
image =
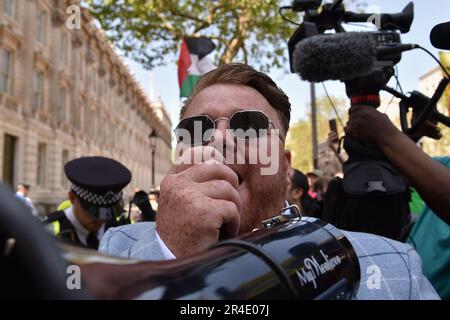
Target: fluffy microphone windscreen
pixel 341 56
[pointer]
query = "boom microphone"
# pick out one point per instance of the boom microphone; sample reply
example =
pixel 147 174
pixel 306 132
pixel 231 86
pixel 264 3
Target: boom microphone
pixel 342 56
pixel 440 36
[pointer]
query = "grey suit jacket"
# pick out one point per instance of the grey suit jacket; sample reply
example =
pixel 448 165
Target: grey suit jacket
pixel 389 269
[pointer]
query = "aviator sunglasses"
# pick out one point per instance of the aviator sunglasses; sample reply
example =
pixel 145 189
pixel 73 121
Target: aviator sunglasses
pixel 244 125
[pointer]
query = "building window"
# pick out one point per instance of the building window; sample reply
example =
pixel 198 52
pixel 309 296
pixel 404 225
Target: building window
pixel 9 159
pixel 94 82
pixel 65 159
pixel 62 106
pixel 41 25
pixel 63 52
pixel 5 71
pixel 8 7
pixel 110 99
pixel 109 133
pixel 88 84
pixel 38 90
pixel 41 164
pixel 81 67
pixel 93 126
pixel 87 115
pixel 74 115
pixel 100 91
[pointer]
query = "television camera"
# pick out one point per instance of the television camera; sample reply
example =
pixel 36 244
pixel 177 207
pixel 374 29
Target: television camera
pixel 365 63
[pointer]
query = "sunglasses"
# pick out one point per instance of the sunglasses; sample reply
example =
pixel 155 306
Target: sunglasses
pixel 244 125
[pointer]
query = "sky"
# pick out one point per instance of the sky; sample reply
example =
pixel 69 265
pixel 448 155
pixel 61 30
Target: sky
pixel 414 64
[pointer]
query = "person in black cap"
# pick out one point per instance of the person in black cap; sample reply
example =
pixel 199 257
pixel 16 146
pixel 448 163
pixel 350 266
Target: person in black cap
pixel 298 195
pixel 96 197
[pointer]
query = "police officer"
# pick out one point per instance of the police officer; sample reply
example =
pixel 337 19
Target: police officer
pixel 96 197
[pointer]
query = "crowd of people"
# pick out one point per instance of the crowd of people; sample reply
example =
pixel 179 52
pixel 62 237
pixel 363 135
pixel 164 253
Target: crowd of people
pixel 201 203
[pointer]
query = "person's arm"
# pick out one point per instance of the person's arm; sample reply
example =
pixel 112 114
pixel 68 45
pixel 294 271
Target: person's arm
pixel 430 178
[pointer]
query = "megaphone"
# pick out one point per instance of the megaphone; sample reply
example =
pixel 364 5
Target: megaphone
pixel 297 258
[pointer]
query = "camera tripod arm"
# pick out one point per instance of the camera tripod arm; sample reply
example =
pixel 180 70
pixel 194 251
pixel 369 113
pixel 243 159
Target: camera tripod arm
pixel 442 118
pixel 420 102
pixel 429 107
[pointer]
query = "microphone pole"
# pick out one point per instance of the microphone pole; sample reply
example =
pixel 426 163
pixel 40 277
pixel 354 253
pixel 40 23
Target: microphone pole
pixel 314 126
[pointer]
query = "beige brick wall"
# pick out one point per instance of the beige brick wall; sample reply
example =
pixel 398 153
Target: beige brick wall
pixel 109 116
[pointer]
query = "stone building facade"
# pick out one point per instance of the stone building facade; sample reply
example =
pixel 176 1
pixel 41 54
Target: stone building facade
pixel 65 93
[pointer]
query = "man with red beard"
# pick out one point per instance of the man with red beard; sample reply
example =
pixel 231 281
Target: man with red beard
pixel 232 173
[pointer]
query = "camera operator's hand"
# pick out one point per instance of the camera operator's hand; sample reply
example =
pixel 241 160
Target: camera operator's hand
pixel 198 203
pixel 369 125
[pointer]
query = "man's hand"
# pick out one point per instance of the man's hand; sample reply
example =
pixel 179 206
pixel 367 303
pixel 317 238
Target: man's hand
pixel 369 125
pixel 198 204
pixel 333 141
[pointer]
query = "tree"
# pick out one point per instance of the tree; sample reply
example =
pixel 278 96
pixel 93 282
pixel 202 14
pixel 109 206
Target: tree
pixel 300 135
pixel 150 31
pixel 299 143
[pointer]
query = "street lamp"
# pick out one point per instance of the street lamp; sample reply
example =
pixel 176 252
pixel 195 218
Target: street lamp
pixel 153 139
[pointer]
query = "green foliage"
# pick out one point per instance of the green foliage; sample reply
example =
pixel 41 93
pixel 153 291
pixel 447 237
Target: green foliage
pixel 150 31
pixel 299 143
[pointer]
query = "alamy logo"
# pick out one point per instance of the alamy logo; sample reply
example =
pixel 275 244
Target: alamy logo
pixel 74 279
pixel 73 22
pixel 375 18
pixel 374 278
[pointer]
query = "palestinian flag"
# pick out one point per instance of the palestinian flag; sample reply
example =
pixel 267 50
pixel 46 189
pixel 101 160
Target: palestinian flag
pixel 193 62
